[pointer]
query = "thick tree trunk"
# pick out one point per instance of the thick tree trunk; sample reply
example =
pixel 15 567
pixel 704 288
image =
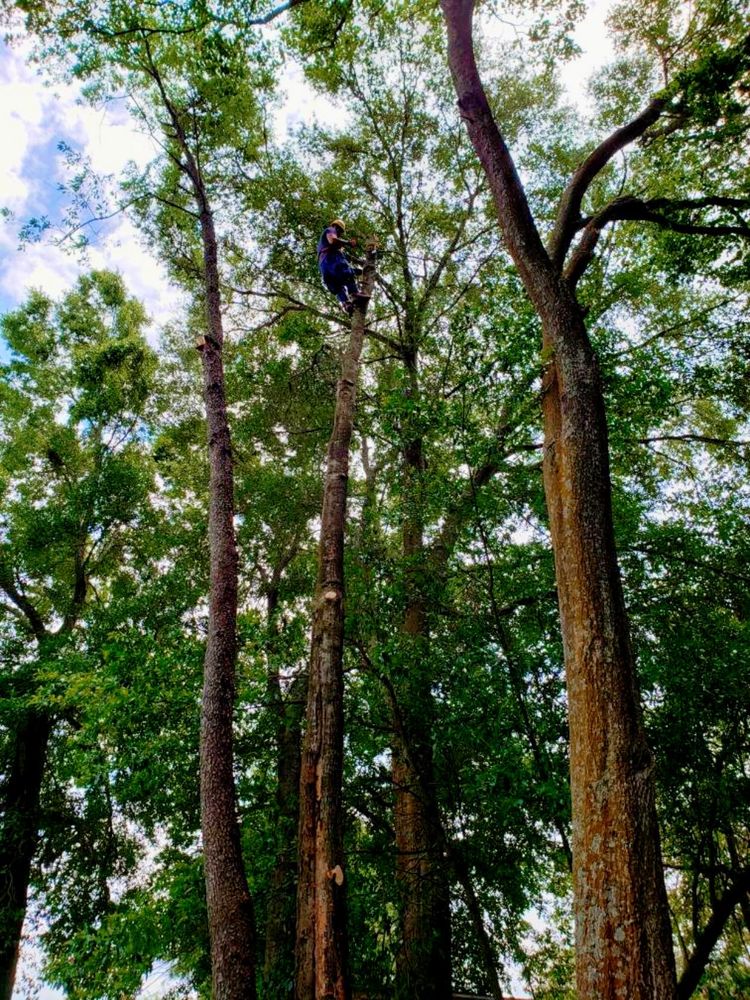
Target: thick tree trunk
pixel 321 960
pixel 623 935
pixel 19 834
pixel 230 910
pixel 423 961
pixel 623 940
pixel 278 966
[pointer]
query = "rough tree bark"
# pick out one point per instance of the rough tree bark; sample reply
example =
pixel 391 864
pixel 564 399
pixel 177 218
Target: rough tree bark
pixel 623 942
pixel 321 959
pixel 231 920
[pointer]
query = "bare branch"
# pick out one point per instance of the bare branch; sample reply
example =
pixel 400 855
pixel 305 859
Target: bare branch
pixel 699 438
pixel 276 12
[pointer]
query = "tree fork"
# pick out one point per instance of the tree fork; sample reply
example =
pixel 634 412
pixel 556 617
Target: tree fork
pixel 623 939
pixel 321 954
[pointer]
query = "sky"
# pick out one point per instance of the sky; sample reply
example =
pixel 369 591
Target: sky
pixel 36 117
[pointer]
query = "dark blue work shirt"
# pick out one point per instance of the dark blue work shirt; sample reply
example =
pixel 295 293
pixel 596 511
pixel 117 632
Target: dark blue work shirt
pixel 328 250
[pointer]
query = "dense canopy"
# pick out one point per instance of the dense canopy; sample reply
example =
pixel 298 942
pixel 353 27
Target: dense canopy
pixel 404 650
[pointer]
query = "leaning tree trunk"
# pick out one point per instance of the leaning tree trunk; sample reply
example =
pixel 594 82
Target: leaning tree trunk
pixel 19 835
pixel 423 961
pixel 230 911
pixel 623 940
pixel 321 959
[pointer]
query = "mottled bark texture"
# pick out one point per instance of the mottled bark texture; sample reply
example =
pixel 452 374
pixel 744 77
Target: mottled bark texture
pixel 230 910
pixel 321 960
pixel 231 920
pixel 423 960
pixel 19 835
pixel 623 940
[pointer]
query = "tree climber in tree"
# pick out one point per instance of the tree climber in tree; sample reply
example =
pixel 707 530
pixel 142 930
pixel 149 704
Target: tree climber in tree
pixel 338 276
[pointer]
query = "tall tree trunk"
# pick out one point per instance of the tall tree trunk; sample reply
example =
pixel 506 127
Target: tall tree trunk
pixel 423 961
pixel 231 920
pixel 230 911
pixel 278 966
pixel 321 959
pixel 19 834
pixel 623 939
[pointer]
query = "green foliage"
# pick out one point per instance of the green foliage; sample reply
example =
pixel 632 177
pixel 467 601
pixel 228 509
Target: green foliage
pixel 101 446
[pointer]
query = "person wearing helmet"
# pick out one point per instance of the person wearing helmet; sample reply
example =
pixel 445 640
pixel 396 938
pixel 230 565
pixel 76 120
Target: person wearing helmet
pixel 335 269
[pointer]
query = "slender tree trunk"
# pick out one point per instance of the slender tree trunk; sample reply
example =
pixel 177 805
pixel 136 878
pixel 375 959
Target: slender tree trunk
pixel 19 834
pixel 423 961
pixel 734 895
pixel 231 920
pixel 278 967
pixel 321 959
pixel 623 939
pixel 230 911
pixel 442 847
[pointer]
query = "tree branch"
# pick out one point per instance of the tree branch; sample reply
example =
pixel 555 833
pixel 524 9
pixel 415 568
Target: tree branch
pixel 20 600
pixel 700 438
pixel 273 14
pixel 570 204
pixel 709 936
pixel 629 208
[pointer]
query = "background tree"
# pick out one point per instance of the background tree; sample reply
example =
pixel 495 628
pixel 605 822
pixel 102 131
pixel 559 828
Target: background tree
pixel 75 483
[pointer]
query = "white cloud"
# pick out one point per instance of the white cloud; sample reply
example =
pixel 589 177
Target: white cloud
pixel 33 118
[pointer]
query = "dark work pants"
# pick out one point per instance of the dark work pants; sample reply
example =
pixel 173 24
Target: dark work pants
pixel 338 276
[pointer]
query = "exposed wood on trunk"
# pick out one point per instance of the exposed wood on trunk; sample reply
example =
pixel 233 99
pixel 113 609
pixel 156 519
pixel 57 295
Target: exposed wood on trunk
pixel 19 835
pixel 321 961
pixel 623 940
